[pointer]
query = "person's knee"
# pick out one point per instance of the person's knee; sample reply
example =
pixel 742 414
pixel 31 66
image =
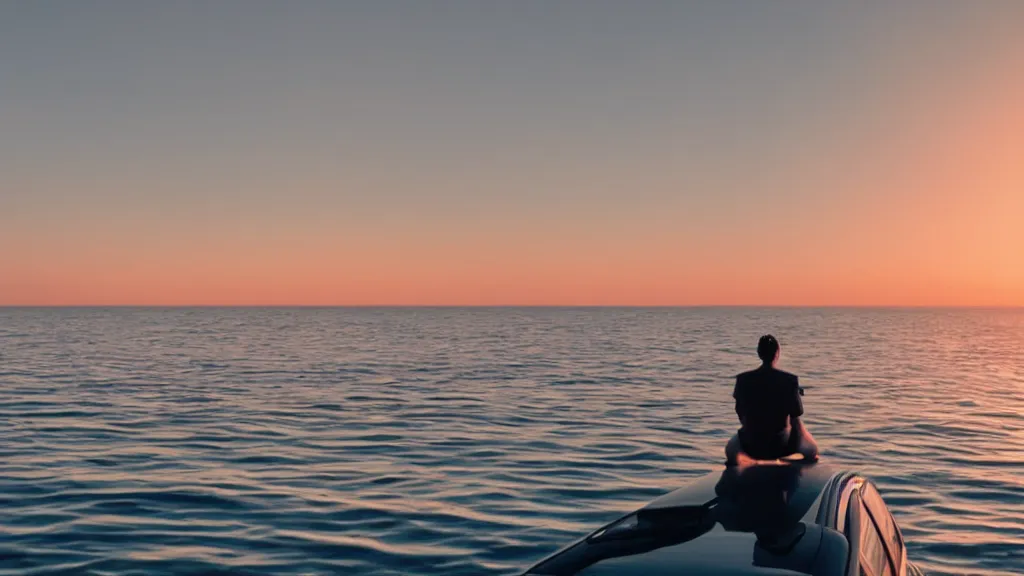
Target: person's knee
pixel 731 444
pixel 732 448
pixel 808 447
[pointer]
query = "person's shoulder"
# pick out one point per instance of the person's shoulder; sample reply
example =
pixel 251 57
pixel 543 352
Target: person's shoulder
pixel 783 375
pixel 746 375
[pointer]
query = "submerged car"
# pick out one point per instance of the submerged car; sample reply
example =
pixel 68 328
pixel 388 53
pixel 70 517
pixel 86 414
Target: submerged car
pixel 778 519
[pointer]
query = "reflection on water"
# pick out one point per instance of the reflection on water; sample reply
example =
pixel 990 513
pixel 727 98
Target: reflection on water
pixel 470 441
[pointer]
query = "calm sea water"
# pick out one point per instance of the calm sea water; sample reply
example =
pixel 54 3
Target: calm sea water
pixel 470 441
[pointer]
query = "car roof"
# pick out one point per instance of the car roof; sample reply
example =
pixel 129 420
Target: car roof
pixel 801 483
pixel 718 552
pixel 732 510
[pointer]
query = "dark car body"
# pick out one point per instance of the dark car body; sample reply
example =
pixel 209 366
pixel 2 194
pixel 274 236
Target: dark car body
pixel 768 519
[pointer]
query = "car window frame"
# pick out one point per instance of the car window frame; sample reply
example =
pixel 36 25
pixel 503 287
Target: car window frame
pixel 867 522
pixel 852 525
pixel 857 518
pixel 869 493
pixel 850 487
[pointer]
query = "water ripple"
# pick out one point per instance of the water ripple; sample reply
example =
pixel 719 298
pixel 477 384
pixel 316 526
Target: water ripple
pixel 305 441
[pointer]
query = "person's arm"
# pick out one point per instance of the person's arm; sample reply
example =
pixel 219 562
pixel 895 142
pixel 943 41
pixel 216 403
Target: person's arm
pixel 741 405
pixel 796 405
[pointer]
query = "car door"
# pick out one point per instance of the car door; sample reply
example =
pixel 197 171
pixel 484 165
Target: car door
pixel 874 558
pixel 890 532
pixel 868 554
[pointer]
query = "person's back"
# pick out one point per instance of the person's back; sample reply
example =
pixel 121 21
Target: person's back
pixel 766 399
pixel 769 408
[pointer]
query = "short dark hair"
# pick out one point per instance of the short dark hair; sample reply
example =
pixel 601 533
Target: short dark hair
pixel 767 348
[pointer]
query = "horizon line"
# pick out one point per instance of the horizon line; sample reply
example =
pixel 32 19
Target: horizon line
pixel 537 306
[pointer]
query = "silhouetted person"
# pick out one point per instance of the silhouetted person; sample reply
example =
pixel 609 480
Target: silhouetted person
pixel 769 407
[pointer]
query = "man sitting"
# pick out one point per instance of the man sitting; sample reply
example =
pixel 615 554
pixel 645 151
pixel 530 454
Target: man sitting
pixel 769 407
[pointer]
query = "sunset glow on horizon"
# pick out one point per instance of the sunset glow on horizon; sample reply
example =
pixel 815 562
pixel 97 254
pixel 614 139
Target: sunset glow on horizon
pixel 532 154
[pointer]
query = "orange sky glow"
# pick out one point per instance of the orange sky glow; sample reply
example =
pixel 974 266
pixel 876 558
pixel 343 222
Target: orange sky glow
pixel 906 189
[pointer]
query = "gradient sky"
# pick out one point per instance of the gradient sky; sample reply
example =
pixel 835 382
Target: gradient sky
pixel 591 152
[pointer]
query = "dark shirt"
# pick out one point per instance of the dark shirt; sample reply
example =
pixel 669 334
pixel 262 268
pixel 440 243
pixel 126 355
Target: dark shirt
pixel 766 398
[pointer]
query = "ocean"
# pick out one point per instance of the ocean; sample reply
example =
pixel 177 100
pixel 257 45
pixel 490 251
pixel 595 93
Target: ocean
pixel 471 441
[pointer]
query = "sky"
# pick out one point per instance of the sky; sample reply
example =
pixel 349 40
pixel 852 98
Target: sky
pixel 253 152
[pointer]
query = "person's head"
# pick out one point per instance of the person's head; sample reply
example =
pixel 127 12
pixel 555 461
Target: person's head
pixel 768 349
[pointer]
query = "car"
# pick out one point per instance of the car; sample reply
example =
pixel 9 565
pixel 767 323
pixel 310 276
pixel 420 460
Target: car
pixel 780 518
